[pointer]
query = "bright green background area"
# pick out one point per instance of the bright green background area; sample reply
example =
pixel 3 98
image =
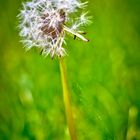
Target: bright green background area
pixel 103 78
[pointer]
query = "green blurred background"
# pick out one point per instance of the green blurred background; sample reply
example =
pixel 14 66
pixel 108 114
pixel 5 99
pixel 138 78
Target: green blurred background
pixel 103 78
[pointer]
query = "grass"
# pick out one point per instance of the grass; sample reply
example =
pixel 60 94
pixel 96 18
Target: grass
pixel 103 78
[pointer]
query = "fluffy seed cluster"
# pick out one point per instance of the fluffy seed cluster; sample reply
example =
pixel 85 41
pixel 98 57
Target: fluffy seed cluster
pixel 43 24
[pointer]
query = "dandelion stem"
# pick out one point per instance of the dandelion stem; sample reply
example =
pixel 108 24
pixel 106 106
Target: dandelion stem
pixel 66 98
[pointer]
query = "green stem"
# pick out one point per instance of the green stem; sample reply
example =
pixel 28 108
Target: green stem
pixel 66 98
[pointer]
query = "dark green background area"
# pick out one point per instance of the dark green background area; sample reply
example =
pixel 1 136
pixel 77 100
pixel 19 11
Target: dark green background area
pixel 103 78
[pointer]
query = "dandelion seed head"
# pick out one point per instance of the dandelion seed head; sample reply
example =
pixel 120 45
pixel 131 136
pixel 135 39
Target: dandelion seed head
pixel 42 24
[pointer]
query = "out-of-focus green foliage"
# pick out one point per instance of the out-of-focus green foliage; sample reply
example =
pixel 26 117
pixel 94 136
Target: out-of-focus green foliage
pixel 103 78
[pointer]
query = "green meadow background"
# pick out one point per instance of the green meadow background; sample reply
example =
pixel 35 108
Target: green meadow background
pixel 103 77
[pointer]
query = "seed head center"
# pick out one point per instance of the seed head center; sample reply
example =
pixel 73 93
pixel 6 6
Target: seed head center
pixel 53 26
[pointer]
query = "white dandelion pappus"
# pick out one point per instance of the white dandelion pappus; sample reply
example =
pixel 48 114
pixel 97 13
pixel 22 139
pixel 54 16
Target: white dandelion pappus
pixel 43 24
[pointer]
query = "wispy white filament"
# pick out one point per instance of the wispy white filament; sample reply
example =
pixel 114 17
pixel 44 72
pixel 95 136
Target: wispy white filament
pixel 43 24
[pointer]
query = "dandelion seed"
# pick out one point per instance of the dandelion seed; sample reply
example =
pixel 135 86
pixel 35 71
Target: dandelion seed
pixel 43 24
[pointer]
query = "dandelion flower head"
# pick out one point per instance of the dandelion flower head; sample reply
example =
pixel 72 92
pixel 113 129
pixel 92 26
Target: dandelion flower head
pixel 43 24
